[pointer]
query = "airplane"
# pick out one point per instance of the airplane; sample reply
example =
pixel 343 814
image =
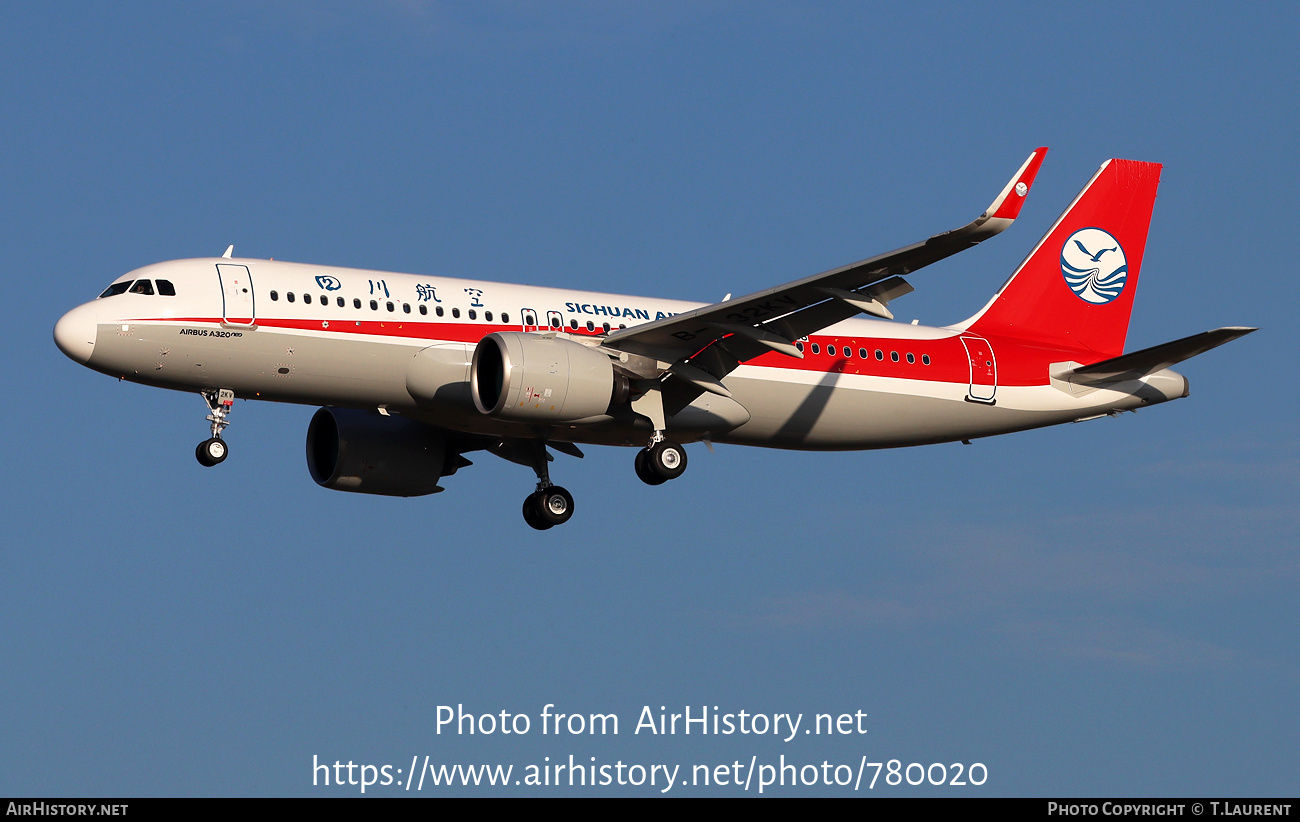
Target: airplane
pixel 412 372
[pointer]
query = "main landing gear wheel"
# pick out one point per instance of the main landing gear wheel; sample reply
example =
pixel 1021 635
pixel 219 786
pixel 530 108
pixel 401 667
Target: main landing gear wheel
pixel 548 507
pixel 533 513
pixel 660 462
pixel 643 471
pixel 211 452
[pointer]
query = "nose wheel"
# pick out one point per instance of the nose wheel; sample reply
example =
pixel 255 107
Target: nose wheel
pixel 214 451
pixel 660 461
pixel 211 452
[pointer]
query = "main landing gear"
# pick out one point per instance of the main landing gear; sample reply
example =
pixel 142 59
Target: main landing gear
pixel 213 451
pixel 550 505
pixel 660 461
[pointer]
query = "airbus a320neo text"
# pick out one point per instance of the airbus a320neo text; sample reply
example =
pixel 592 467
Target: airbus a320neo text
pixel 414 372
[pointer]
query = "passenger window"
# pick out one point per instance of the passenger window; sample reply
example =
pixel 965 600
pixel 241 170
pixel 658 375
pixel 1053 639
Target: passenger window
pixel 573 324
pixel 424 309
pixel 473 315
pixel 817 349
pixel 455 312
pixel 374 305
pixel 142 287
pixel 288 295
pixel 591 326
pixel 893 355
pixel 115 289
pixel 911 359
pixel 389 306
pixel 487 315
pixel 862 352
pixel 880 355
pixel 438 310
pixel 505 318
pixel 925 359
pixel 275 296
pixel 799 346
pixel 342 303
pixel 830 350
pixel 606 327
pixel 166 288
pixel 356 303
pixel 406 308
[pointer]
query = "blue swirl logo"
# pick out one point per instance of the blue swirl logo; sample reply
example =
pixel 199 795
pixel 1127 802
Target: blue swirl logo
pixel 1094 265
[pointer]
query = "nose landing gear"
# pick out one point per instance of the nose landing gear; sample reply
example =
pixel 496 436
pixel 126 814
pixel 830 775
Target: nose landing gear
pixel 214 451
pixel 211 452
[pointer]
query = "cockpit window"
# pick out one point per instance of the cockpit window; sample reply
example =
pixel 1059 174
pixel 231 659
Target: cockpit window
pixel 166 288
pixel 115 289
pixel 142 287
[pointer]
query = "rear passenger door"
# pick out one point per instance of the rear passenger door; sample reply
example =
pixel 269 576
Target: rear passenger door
pixel 983 370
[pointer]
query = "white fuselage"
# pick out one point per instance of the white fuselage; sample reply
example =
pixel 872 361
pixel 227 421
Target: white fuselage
pixel 320 335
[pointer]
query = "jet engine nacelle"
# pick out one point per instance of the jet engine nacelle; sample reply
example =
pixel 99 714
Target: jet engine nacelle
pixel 542 378
pixel 365 452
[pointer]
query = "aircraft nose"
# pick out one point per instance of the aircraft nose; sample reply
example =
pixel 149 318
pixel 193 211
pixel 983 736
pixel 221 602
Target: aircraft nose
pixel 74 333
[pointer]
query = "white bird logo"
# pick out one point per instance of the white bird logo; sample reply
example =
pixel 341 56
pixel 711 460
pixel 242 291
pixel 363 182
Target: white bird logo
pixel 1096 277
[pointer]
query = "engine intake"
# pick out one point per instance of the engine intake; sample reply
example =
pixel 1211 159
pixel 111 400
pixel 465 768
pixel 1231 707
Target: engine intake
pixel 541 378
pixel 367 453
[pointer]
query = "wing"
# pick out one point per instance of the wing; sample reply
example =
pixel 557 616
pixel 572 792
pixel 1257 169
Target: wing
pixel 705 344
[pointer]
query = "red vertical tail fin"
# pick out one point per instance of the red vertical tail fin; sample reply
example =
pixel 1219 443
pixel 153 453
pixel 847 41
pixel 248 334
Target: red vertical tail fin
pixel 1075 289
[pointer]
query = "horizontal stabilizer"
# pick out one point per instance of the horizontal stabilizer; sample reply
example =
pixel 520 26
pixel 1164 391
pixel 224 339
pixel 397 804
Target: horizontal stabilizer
pixel 1150 360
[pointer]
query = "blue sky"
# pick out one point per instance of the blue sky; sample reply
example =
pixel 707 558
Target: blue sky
pixel 1102 608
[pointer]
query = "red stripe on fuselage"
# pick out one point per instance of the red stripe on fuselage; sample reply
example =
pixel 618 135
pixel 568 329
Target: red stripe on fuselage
pixel 1017 363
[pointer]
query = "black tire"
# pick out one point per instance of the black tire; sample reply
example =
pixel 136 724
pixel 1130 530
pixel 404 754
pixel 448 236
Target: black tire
pixel 666 459
pixel 643 471
pixel 211 452
pixel 554 505
pixel 533 513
